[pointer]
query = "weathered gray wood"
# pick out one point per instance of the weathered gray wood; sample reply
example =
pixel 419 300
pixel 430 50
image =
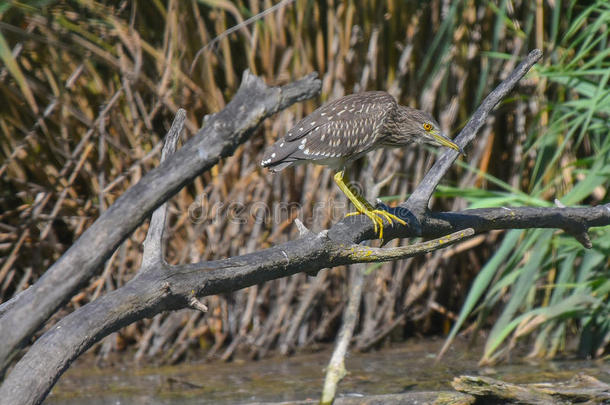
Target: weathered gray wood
pixel 221 135
pixel 153 244
pixel 160 288
pixel 582 389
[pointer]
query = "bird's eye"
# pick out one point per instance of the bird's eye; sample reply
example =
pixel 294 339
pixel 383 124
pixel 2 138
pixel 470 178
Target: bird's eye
pixel 428 126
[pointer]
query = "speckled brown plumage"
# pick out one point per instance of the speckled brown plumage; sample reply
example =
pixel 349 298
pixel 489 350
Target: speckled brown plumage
pixel 343 130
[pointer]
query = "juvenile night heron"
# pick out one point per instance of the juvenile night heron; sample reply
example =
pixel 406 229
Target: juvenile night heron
pixel 343 130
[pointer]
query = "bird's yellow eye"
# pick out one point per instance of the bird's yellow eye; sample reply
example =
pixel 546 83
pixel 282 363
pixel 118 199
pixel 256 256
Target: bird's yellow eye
pixel 428 126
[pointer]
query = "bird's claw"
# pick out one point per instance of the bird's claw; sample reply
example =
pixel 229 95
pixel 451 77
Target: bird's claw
pixel 377 216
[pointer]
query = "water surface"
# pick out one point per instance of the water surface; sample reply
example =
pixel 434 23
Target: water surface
pixel 409 366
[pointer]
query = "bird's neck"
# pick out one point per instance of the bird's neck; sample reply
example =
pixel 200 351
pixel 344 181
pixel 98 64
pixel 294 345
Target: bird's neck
pixel 396 127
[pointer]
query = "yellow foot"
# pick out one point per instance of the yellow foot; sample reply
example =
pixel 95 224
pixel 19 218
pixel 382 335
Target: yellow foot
pixel 364 207
pixel 377 217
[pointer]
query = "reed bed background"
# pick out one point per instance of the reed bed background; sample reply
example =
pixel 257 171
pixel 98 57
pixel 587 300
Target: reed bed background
pixel 89 88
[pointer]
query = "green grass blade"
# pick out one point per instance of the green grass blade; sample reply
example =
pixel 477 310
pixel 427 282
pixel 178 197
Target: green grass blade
pixel 482 282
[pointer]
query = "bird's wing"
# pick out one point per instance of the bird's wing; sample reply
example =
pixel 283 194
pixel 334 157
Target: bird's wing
pixel 338 138
pixel 343 128
pixel 366 104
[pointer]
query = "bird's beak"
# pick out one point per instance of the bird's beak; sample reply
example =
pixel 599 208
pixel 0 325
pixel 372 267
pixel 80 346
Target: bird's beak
pixel 444 141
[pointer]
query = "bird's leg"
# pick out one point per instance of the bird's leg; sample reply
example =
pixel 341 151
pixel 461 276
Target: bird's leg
pixel 360 203
pixel 345 180
pixel 364 207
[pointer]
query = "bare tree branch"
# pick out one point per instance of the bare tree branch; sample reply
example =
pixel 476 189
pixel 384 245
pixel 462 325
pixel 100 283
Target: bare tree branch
pixel 161 288
pixel 153 244
pixel 420 197
pixel 221 135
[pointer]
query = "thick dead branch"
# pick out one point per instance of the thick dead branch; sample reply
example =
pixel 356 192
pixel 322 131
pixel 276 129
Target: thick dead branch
pixel 569 219
pixel 224 131
pixel 160 288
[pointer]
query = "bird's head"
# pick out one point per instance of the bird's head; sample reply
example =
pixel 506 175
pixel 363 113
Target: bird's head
pixel 418 126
